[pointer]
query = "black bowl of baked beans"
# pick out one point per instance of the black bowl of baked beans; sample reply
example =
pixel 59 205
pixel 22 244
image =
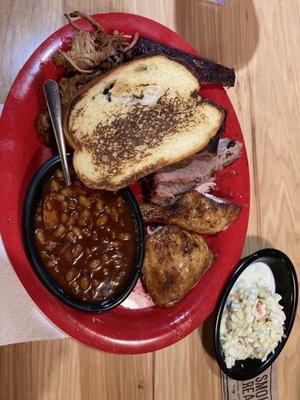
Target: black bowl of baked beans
pixel 86 245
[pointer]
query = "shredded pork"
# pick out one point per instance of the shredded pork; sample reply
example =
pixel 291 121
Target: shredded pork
pixel 95 49
pixel 91 53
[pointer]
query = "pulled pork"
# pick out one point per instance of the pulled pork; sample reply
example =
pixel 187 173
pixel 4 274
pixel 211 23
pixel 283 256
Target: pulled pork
pixel 44 128
pixel 69 86
pixel 90 54
pixel 95 49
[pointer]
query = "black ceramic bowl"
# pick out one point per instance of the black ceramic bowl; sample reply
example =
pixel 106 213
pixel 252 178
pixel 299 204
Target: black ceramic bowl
pixel 286 285
pixel 31 201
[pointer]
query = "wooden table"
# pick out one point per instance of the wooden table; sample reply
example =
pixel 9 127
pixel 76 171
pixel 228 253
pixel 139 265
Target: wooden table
pixel 261 40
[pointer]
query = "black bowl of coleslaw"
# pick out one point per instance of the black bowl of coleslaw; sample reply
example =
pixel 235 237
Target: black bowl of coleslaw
pixel 249 314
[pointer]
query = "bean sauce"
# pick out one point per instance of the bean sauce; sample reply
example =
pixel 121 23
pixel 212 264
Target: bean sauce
pixel 85 238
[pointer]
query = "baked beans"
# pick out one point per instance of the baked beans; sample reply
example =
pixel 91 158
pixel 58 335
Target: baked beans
pixel 85 238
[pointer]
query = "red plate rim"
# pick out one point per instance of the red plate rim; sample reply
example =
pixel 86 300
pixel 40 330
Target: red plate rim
pixel 132 331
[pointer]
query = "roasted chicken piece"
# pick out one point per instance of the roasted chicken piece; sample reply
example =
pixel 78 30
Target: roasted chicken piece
pixel 175 260
pixel 194 212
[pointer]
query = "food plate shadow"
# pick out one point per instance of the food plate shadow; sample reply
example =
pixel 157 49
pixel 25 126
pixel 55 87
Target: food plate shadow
pixel 206 335
pixel 227 34
pixel 254 243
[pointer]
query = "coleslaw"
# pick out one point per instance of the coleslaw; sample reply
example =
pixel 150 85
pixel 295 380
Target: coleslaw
pixel 252 324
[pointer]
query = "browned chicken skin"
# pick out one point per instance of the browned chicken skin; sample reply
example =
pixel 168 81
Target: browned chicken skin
pixel 194 212
pixel 175 260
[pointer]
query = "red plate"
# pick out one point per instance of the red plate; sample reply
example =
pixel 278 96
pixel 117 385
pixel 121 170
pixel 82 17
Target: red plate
pixel 137 326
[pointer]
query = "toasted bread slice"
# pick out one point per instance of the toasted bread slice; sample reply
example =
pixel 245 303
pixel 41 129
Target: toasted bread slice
pixel 136 119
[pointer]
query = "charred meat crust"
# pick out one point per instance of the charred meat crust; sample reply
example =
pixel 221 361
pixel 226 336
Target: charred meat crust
pixel 206 70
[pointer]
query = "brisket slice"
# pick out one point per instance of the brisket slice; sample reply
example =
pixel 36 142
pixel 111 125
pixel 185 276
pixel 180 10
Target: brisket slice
pixel 169 183
pixel 169 194
pixel 206 70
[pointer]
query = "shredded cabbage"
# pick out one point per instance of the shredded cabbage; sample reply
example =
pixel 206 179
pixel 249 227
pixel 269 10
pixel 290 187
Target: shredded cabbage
pixel 252 323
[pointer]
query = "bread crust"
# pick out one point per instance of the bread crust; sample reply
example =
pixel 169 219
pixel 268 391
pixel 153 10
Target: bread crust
pixel 77 97
pixel 106 183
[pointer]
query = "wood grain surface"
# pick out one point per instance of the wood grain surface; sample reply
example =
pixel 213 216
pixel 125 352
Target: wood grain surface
pixel 261 40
